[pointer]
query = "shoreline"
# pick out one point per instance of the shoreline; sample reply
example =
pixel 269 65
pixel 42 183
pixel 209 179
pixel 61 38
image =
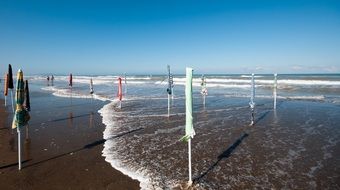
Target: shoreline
pixel 71 159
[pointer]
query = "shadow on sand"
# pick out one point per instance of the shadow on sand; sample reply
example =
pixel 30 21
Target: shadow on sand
pixel 224 155
pixel 14 164
pixel 72 117
pixel 261 117
pixel 87 146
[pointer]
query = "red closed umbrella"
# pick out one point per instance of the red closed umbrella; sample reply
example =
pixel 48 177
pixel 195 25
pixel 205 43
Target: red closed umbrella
pixel 120 92
pixel 6 88
pixel 6 85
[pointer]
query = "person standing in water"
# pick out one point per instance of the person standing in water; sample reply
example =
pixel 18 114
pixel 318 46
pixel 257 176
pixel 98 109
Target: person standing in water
pixel 48 81
pixel 52 79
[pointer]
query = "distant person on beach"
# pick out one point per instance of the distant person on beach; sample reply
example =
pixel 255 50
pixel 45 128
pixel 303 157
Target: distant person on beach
pixel 48 80
pixel 52 79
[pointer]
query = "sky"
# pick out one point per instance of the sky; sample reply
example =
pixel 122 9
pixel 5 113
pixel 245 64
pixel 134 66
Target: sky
pixel 143 37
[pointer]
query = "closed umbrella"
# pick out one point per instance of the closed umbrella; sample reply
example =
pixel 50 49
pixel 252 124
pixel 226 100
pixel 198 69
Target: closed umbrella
pixel 204 90
pixel 91 86
pixel 70 81
pixel 27 106
pixel 10 83
pixel 120 92
pixel 6 88
pixel 169 89
pixel 27 103
pixel 252 99
pixel 10 77
pixel 189 127
pixel 21 115
pixel 172 85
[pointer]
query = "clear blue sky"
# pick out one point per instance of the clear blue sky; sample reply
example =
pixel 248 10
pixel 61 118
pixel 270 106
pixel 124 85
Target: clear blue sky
pixel 110 37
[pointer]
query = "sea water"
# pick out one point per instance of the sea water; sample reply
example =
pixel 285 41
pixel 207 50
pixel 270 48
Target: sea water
pixel 295 146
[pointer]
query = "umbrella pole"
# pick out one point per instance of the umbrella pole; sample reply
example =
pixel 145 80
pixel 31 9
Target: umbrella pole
pixel 120 104
pixel 27 135
pixel 12 100
pixel 189 158
pixel 19 147
pixel 275 101
pixel 172 93
pixel 71 95
pixel 252 117
pixel 92 101
pixel 204 101
pixel 168 105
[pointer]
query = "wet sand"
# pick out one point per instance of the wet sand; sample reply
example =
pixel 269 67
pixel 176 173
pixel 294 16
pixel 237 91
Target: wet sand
pixel 62 149
pixel 294 147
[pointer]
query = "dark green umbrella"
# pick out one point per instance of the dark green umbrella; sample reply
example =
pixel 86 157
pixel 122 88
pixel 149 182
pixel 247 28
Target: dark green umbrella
pixel 21 115
pixel 27 103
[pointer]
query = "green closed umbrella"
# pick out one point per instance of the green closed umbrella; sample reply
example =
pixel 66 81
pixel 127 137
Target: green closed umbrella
pixel 21 115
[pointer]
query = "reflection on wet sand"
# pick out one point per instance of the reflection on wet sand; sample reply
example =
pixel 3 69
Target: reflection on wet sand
pixel 70 119
pixel 27 144
pixel 91 120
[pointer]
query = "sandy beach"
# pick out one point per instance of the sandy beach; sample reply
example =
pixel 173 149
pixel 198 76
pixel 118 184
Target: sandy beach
pixel 61 151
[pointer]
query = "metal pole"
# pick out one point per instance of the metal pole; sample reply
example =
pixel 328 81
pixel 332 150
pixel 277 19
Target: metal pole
pixel 12 100
pixel 168 105
pixel 275 88
pixel 19 147
pixel 252 117
pixel 125 84
pixel 71 95
pixel 275 99
pixel 204 101
pixel 172 92
pixel 189 158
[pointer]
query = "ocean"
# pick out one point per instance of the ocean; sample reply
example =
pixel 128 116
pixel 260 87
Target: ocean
pixel 295 146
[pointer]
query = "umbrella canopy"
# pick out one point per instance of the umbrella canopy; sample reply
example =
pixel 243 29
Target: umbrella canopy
pixel 189 127
pixel 21 115
pixel 27 103
pixel 10 77
pixel 70 80
pixel 252 93
pixel 6 85
pixel 91 86
pixel 120 92
pixel 204 90
pixel 169 81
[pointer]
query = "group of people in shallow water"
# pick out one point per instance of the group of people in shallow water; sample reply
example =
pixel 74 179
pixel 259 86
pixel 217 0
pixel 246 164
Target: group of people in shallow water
pixel 50 79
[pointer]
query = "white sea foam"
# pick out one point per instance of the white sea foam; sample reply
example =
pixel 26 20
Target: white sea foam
pixel 107 112
pixel 67 93
pixel 306 97
pixel 224 79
